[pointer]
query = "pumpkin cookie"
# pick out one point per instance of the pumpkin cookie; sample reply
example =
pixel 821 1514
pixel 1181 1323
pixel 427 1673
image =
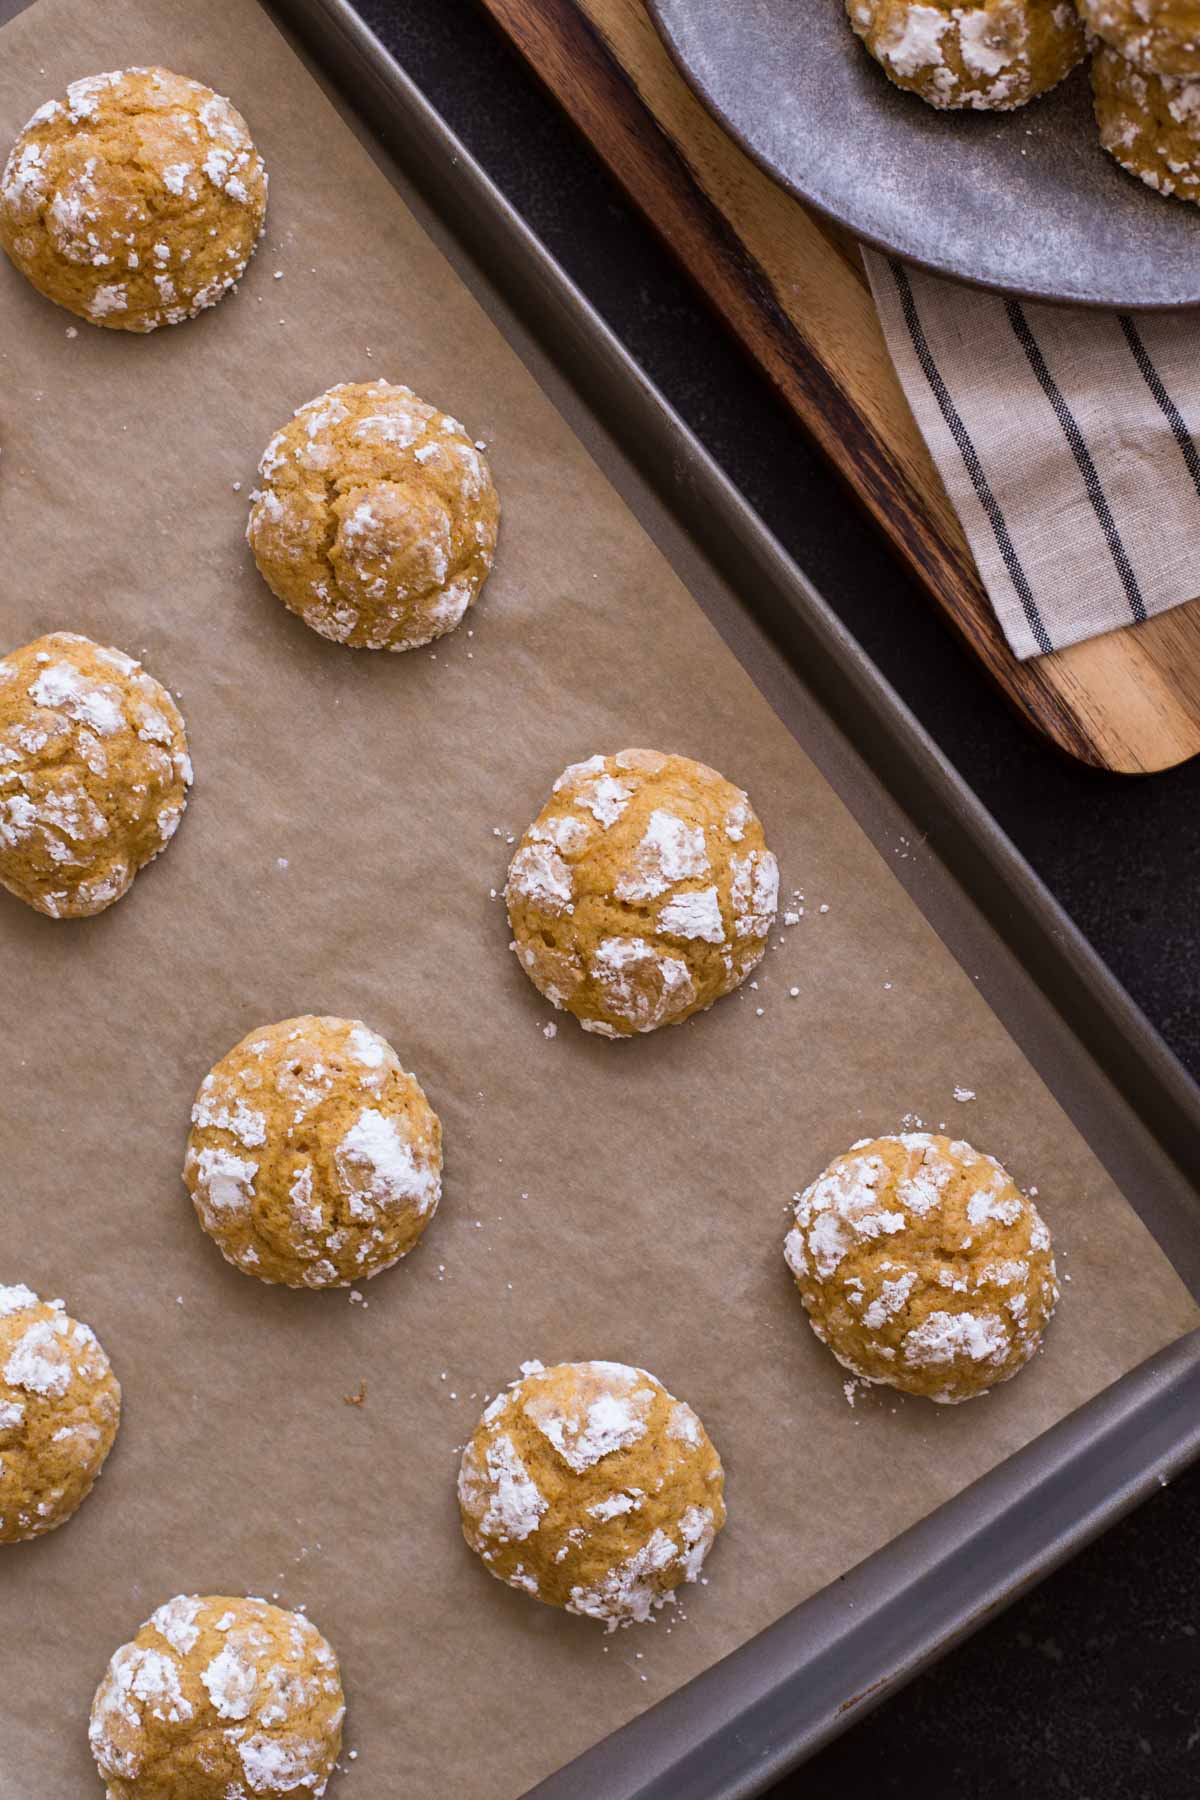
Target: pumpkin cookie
pixel 60 1405
pixel 1150 124
pixel 135 200
pixel 923 1266
pixel 94 773
pixel 642 892
pixel 990 55
pixel 588 1486
pixel 217 1698
pixel 314 1159
pixel 1160 37
pixel 377 519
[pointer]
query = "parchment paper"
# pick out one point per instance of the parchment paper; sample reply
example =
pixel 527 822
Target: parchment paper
pixel 622 1201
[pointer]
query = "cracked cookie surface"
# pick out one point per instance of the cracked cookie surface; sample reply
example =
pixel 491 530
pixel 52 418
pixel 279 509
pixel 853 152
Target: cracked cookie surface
pixel 314 1159
pixel 219 1698
pixel 642 892
pixel 135 200
pixel 983 55
pixel 60 1405
pixel 94 773
pixel 590 1487
pixel 377 519
pixel 922 1265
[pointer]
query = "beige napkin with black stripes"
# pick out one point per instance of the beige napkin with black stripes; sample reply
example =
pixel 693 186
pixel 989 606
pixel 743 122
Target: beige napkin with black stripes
pixel 1067 441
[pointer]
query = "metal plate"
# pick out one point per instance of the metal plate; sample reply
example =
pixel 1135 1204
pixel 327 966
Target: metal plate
pixel 1027 202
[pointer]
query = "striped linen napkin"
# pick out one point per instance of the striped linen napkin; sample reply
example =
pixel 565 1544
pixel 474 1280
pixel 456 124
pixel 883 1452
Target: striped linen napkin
pixel 1067 442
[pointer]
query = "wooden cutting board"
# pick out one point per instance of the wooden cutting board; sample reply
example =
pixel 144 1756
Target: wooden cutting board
pixel 793 288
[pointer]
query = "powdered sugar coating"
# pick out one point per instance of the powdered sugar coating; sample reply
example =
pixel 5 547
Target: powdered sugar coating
pixel 922 1266
pixel 94 773
pixel 1150 124
pixel 642 892
pixel 589 1487
pixel 60 1405
pixel 219 1698
pixel 314 1159
pixel 135 200
pixel 1158 37
pixel 982 55
pixel 377 518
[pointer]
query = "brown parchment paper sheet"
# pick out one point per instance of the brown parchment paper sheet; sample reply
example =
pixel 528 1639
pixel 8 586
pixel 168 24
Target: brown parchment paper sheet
pixel 623 1201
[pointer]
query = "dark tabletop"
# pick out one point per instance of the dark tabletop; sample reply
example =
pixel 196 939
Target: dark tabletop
pixel 1089 1688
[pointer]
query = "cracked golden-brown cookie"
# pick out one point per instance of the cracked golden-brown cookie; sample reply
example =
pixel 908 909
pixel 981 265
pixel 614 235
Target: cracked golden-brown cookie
pixel 1160 37
pixel 590 1487
pixel 1150 124
pixel 642 892
pixel 989 55
pixel 219 1698
pixel 314 1159
pixel 94 773
pixel 922 1265
pixel 135 200
pixel 377 519
pixel 60 1405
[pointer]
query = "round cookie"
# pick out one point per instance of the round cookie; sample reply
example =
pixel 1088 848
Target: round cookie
pixel 313 1160
pixel 592 1488
pixel 377 518
pixel 94 773
pixel 923 1266
pixel 988 55
pixel 1150 124
pixel 134 201
pixel 60 1405
pixel 1160 37
pixel 219 1699
pixel 642 892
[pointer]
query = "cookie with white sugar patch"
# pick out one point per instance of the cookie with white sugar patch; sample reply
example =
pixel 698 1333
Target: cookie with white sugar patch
pixel 923 1266
pixel 1160 37
pixel 590 1487
pixel 983 55
pixel 135 200
pixel 1150 124
pixel 314 1160
pixel 60 1405
pixel 94 773
pixel 377 518
pixel 219 1698
pixel 642 892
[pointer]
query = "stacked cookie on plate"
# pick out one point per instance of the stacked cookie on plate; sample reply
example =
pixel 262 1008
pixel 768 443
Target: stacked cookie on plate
pixel 1146 77
pixel 997 55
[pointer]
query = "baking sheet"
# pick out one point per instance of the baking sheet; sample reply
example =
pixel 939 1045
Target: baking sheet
pixel 339 853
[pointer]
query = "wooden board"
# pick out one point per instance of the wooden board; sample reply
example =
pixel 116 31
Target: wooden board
pixel 793 288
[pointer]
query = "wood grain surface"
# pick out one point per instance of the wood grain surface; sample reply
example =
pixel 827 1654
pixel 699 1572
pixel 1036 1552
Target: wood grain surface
pixel 793 289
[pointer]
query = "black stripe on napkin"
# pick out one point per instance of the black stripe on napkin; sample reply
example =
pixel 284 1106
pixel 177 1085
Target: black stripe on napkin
pixel 970 456
pixel 1168 408
pixel 1082 455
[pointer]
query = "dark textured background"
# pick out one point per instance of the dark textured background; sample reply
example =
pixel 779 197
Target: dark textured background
pixel 1090 1687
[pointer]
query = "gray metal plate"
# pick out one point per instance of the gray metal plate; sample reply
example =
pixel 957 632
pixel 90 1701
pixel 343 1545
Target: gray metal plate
pixel 1025 202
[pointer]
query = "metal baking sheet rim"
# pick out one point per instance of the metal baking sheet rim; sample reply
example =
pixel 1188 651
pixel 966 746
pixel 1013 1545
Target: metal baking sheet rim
pixel 745 1722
